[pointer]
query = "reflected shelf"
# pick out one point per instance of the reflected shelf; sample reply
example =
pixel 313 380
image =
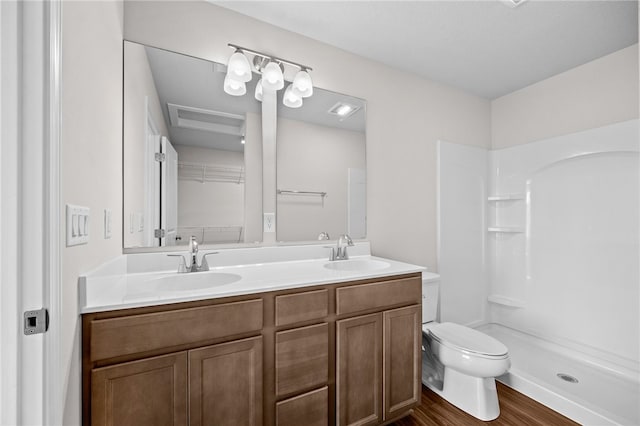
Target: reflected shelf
pixel 506 197
pixel 505 229
pixel 210 172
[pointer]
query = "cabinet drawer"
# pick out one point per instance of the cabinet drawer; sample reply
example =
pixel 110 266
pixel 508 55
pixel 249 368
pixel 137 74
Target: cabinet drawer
pixel 312 408
pixel 292 308
pixel 140 333
pixel 379 295
pixel 302 359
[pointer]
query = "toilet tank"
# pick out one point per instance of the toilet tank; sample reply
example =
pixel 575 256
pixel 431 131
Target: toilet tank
pixel 430 291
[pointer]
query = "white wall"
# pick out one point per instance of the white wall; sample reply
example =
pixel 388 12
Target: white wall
pixel 600 92
pixel 404 120
pixel 91 159
pixel 140 96
pixel 315 158
pixel 462 259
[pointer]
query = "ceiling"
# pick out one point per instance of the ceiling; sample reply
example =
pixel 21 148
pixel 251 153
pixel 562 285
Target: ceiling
pixel 483 47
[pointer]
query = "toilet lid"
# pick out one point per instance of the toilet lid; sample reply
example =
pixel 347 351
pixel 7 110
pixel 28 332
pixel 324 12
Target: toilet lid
pixel 467 339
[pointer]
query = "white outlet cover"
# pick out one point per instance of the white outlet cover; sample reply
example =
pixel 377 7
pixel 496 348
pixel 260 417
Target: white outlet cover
pixel 107 224
pixel 269 223
pixel 77 225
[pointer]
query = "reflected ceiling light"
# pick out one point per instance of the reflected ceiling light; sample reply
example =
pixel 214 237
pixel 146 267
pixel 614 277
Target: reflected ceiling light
pixel 343 110
pixel 258 92
pixel 272 77
pixel 239 68
pixel 291 99
pixel 302 84
pixel 234 87
pixel 242 140
pixel 272 69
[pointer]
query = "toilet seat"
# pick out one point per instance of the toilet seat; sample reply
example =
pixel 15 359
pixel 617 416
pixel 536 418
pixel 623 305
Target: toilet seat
pixel 468 340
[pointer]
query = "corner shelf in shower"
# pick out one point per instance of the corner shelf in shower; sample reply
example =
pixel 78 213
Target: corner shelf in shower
pixel 505 197
pixel 505 229
pixel 505 301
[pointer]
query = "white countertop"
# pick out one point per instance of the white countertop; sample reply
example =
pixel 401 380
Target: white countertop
pixel 111 288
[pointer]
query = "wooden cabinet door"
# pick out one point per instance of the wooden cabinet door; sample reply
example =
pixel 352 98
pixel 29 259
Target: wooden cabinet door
pixel 359 370
pixel 402 360
pixel 150 392
pixel 225 384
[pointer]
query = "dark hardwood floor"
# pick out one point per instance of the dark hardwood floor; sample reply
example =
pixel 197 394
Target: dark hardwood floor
pixel 515 410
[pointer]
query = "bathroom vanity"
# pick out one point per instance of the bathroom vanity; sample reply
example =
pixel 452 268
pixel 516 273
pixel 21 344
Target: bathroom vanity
pixel 342 350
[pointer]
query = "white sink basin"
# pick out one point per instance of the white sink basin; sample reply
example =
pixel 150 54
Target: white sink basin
pixel 357 265
pixel 195 281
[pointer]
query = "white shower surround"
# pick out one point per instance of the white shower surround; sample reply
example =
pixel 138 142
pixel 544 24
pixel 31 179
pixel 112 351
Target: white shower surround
pixel 566 270
pixel 574 267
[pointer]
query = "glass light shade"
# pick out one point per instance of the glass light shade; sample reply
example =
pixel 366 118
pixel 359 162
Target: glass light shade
pixel 258 93
pixel 302 84
pixel 290 99
pixel 239 68
pixel 234 87
pixel 272 78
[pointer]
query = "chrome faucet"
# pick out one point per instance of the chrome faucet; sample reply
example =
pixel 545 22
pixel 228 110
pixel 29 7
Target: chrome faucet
pixel 193 253
pixel 194 266
pixel 340 251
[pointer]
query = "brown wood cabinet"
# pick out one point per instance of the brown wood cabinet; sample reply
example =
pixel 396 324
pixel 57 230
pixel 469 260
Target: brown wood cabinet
pixel 378 370
pixel 344 353
pixel 147 392
pixel 225 384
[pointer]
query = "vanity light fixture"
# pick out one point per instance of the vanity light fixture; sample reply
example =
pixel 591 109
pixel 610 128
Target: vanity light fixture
pixel 258 93
pixel 272 77
pixel 234 87
pixel 272 69
pixel 291 98
pixel 302 84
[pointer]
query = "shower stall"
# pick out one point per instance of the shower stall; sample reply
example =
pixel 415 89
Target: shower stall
pixel 539 248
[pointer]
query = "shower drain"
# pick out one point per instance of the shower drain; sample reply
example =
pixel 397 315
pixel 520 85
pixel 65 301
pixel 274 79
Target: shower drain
pixel 567 378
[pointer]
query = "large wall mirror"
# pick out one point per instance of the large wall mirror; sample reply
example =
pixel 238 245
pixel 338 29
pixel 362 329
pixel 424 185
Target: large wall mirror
pixel 193 158
pixel 186 149
pixel 321 168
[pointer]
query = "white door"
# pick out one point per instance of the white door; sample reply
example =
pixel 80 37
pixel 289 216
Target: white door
pixel 357 203
pixel 169 193
pixel 152 189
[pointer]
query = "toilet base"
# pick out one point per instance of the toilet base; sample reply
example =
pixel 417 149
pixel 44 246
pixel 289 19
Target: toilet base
pixel 473 395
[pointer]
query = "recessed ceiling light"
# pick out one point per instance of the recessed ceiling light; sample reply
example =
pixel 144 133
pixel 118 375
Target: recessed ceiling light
pixel 513 3
pixel 343 110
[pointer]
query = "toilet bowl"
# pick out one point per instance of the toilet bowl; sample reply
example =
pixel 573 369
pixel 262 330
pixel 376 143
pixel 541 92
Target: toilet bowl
pixel 460 363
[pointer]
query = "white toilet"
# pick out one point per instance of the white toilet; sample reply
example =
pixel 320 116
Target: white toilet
pixel 460 363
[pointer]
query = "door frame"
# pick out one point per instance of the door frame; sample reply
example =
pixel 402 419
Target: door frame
pixel 32 386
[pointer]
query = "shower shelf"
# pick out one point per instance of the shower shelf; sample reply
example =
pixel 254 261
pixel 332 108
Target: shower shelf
pixel 506 197
pixel 506 301
pixel 505 229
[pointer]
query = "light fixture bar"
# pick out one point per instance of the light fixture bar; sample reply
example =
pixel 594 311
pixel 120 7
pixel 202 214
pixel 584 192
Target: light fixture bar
pixel 274 58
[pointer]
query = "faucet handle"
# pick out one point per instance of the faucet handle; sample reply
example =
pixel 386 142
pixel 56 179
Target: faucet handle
pixel 346 238
pixel 204 265
pixel 323 236
pixel 182 267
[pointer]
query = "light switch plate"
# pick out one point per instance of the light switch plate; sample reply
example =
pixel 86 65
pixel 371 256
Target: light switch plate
pixel 269 224
pixel 77 225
